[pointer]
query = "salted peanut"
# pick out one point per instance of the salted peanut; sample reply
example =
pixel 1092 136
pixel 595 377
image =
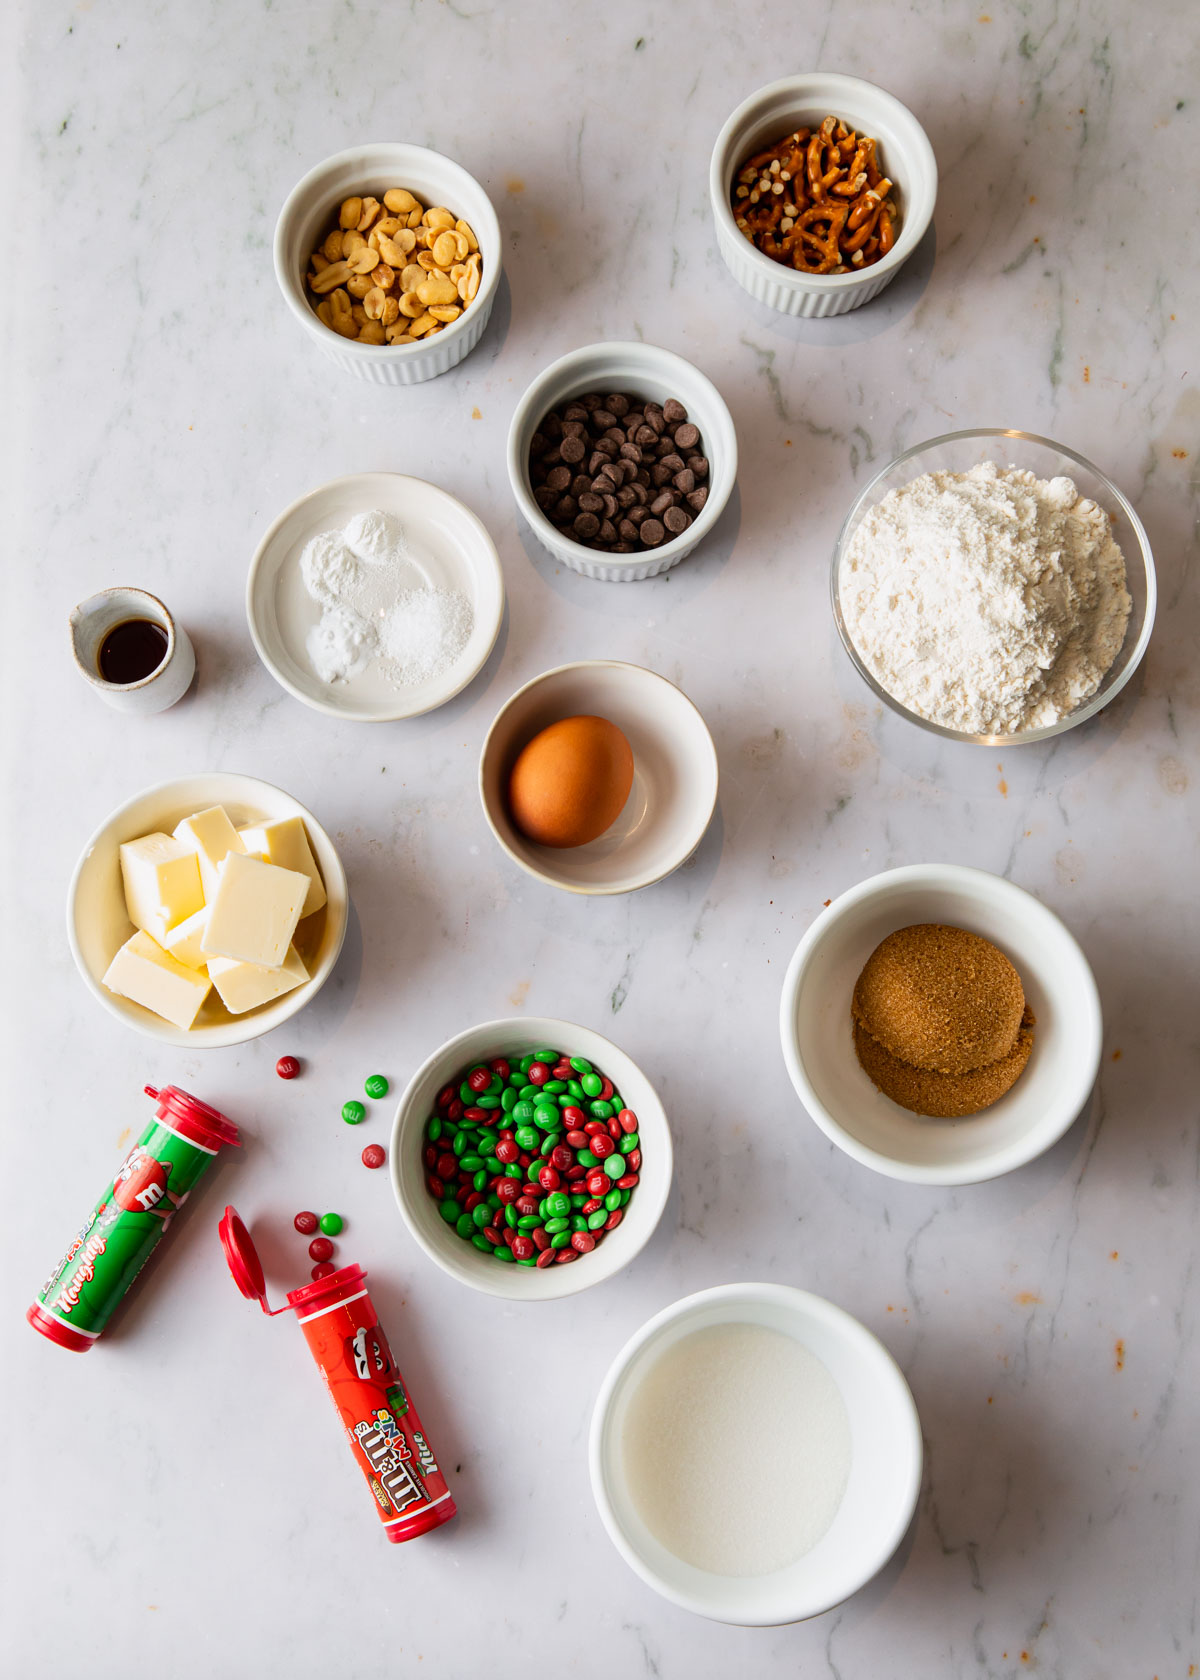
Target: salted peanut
pixel 411 305
pixel 347 327
pixel 373 303
pixel 400 199
pixel 468 234
pixel 391 252
pixel 335 275
pixel 352 242
pixel 445 250
pixel 463 283
pixel 406 239
pixel 414 217
pixel 428 262
pixel 457 270
pixel 333 246
pixel 445 311
pixel 319 261
pixel 437 216
pixel 411 276
pixel 398 332
pixel 359 315
pixel 372 333
pixel 340 304
pixel 350 212
pixel 472 285
pixel 374 237
pixel 437 289
pixel 391 310
pixel 422 325
pixel 383 276
pixel 325 312
pixel 461 248
pixel 364 260
pixel 370 209
pixel 421 238
pixel 359 285
pixel 388 225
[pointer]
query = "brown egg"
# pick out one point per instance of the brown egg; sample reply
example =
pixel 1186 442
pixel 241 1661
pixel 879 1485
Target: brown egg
pixel 571 781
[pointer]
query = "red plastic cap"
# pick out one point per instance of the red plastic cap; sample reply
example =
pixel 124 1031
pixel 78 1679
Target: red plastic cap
pixel 398 1533
pixel 195 1120
pixel 56 1331
pixel 241 1257
pixel 326 1291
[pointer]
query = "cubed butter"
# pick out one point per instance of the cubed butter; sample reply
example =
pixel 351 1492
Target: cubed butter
pixel 143 972
pixel 211 836
pixel 183 942
pixel 162 882
pixel 242 985
pixel 285 843
pixel 254 911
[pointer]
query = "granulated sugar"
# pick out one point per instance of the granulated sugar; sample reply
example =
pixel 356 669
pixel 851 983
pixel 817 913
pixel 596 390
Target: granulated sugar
pixel 736 1449
pixel 379 605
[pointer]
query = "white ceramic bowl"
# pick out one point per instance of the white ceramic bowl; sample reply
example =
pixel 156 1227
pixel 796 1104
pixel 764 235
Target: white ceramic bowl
pixel 98 925
pixel 306 217
pixel 959 452
pixel 885 1463
pixel 804 101
pixel 458 1257
pixel 674 789
pixel 818 1043
pixel 645 371
pixel 458 552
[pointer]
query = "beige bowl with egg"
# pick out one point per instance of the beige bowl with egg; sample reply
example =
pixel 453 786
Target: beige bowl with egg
pixel 98 923
pixel 674 792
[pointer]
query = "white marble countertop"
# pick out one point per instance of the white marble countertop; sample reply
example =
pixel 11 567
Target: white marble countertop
pixel 181 1504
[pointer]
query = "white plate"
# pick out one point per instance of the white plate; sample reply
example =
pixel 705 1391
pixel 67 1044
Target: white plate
pixel 445 537
pixel 98 923
pixel 818 1043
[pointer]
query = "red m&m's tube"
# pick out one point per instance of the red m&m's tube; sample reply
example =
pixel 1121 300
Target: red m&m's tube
pixel 345 1337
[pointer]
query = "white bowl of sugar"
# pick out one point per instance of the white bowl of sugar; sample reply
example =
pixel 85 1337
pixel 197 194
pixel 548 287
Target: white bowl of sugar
pixel 755 1454
pixel 375 597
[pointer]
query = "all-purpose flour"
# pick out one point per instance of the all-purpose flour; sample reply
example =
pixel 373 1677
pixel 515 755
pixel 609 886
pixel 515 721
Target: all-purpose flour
pixel 990 601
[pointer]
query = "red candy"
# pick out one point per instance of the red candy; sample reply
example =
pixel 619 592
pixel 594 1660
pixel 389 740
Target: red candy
pixel 634 1160
pixel 628 1182
pixel 548 1179
pixel 479 1079
pixel 501 1067
pixel 614 1219
pixel 577 1140
pixel 547 1257
pixel 628 1120
pixel 601 1145
pixel 446 1096
pixel 561 1157
pixel 523 1248
pixel 564 1255
pixel 538 1073
pixel 575 1119
pixel 320 1248
pixel 306 1223
pixel 583 1242
pixel 374 1155
pixel 436 1188
pixel 592 1205
pixel 606 1090
pixel 541 1237
pixel 456 1110
pixel 287 1067
pixel 598 1184
pixel 325 1269
pixel 508 1190
pixel 507 1151
pixel 492 1235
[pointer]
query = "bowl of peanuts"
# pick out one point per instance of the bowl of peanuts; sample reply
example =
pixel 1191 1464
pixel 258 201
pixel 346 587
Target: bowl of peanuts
pixel 389 257
pixel 822 187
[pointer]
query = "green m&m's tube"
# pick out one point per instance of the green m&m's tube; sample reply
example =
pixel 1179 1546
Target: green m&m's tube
pixel 130 1219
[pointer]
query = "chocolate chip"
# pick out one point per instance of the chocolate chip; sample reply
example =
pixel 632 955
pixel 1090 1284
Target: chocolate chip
pixel 625 497
pixel 698 498
pixel 591 402
pixel 685 480
pixel 651 533
pixel 545 497
pixel 646 436
pixel 610 506
pixel 660 504
pixel 589 502
pixel 565 507
pixel 574 428
pixel 622 548
pixel 595 461
pixel 627 530
pixel 659 475
pixel 606 447
pixel 572 449
pixel 638 514
pixel 603 418
pixel 608 531
pixel 537 444
pixel 688 436
pixel 699 465
pixel 631 452
pixel 586 525
pixel 574 411
pixel 617 403
pixel 642 476
pixel 640 494
pixel 654 419
pixel 673 410
pixel 673 462
pixel 559 478
pixel 676 520
pixel 580 483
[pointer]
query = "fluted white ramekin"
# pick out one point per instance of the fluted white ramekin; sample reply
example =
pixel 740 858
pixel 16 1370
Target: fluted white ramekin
pixel 645 371
pixel 804 101
pixel 304 221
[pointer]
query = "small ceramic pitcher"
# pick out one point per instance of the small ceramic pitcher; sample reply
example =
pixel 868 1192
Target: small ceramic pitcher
pixel 91 622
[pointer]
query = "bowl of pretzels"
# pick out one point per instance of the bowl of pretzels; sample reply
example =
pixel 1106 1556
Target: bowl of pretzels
pixel 822 187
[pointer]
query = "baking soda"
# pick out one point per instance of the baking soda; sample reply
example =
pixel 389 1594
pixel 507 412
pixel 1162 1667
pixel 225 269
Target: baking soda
pixel 736 1449
pixel 379 605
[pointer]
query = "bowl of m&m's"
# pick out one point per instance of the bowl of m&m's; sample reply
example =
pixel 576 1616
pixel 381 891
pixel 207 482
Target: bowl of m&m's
pixel 530 1158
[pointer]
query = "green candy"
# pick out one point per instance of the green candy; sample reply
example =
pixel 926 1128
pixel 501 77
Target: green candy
pixel 492 1165
pixel 510 1217
pixel 459 1141
pixel 624 1195
pixel 470 1163
pixel 522 1113
pixel 592 1084
pixel 587 1159
pixel 449 1210
pixel 465 1226
pixel 554 1226
pixel 548 1056
pixel 488 1140
pixel 502 1252
pixel 466 1095
pixel 528 1093
pixel 494 1202
pixel 614 1166
pixel 628 1143
pixel 597 1218
pixel 353 1112
pixel 479 1182
pixel 578 1197
pixel 527 1137
pixel 576 1090
pixel 581 1064
pixel 557 1204
pixel 578 1222
pixel 332 1224
pixel 482 1214
pixel 434 1129
pixel 508 1099
pixel 481 1243
pixel 512 1170
pixel 612 1201
pixel 526 1063
pixel 560 1239
pixel 553 1086
pixel 528 1222
pixel 376 1086
pixel 545 1115
pixel 487 1101
pixel 601 1110
pixel 526 1262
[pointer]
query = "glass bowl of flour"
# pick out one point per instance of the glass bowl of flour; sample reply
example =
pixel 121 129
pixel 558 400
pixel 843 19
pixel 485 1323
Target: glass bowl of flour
pixel 993 587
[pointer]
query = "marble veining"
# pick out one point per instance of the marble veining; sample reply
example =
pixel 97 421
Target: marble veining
pixel 181 1503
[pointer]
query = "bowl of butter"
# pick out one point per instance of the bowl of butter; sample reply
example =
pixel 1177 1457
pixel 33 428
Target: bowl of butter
pixel 208 910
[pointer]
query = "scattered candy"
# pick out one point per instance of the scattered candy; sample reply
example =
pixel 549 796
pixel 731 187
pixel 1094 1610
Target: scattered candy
pixel 532 1159
pixel 306 1223
pixel 287 1067
pixel 353 1112
pixel 374 1155
pixel 325 1269
pixel 320 1248
pixel 376 1086
pixel 332 1224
